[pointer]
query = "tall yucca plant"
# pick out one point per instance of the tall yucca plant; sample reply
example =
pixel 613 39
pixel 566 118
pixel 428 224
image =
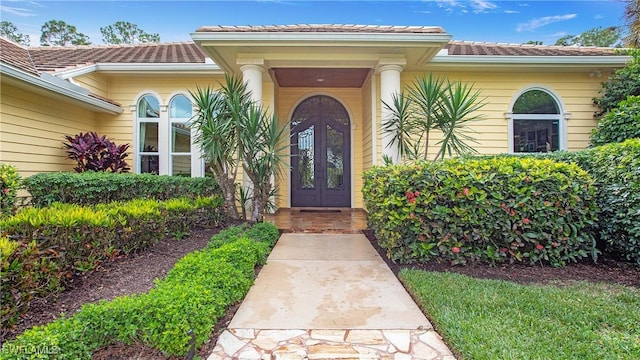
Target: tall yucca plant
pixel 262 157
pixel 235 132
pixel 217 119
pixel 430 104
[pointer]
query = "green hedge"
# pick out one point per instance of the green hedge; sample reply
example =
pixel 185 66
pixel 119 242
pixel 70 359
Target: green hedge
pixel 490 210
pixel 90 188
pixel 48 245
pixel 616 171
pixel 193 296
pixel 619 124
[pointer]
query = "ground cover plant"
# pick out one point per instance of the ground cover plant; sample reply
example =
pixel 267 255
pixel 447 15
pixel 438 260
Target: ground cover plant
pixel 44 247
pixel 192 296
pixel 493 319
pixel 490 210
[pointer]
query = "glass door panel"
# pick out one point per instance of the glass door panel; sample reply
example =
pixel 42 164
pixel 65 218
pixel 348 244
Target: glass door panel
pixel 306 155
pixel 335 159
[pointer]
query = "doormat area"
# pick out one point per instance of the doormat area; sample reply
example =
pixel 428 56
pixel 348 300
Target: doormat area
pixel 320 211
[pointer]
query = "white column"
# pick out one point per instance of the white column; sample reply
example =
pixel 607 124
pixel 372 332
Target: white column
pixel 252 76
pixel 389 85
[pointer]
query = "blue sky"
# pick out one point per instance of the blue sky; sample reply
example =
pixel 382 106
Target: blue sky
pixel 473 20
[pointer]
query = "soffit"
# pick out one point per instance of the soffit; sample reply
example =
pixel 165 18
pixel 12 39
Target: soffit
pixel 320 77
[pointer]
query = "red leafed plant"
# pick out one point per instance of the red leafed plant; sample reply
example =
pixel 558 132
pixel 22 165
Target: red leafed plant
pixel 96 153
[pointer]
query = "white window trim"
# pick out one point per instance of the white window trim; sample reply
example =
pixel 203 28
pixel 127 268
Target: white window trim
pixel 197 162
pixel 162 129
pixel 562 117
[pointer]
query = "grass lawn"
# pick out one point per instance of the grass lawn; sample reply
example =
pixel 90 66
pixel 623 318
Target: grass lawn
pixel 493 319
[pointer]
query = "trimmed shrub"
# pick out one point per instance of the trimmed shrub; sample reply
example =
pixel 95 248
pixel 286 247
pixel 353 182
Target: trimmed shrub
pixel 49 245
pixel 619 124
pixel 92 188
pixel 10 183
pixel 616 171
pixel 193 296
pixel 489 210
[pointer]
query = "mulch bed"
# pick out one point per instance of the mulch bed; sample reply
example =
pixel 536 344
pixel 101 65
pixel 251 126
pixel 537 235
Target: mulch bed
pixel 124 276
pixel 606 270
pixel 135 274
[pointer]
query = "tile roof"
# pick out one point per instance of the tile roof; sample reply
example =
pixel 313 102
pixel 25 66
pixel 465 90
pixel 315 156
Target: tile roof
pixel 54 58
pixel 499 49
pixel 51 59
pixel 17 56
pixel 326 28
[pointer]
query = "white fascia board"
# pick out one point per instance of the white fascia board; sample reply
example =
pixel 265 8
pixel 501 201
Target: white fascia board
pixel 159 67
pixel 320 37
pixel 142 67
pixel 39 82
pixel 531 60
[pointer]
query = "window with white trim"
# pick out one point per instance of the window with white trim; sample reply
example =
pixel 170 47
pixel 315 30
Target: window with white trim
pixel 164 137
pixel 148 115
pixel 536 122
pixel 180 111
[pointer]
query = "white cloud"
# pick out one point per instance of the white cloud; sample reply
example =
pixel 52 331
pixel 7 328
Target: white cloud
pixel 511 12
pixel 543 21
pixel 16 11
pixel 598 17
pixel 481 6
pixel 448 5
pixel 423 12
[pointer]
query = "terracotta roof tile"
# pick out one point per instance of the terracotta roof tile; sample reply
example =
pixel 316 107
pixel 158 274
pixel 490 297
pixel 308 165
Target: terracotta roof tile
pixel 17 56
pixel 342 28
pixel 51 59
pixel 498 49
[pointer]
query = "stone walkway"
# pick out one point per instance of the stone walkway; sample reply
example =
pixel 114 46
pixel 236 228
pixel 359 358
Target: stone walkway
pixel 328 296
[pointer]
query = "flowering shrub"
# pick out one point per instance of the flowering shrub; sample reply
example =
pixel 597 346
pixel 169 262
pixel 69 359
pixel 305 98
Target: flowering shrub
pixel 9 185
pixel 490 210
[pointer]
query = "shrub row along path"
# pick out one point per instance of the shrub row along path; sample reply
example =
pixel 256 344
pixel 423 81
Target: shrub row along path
pixel 135 274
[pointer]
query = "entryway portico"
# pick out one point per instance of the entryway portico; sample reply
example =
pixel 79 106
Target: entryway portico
pixel 356 67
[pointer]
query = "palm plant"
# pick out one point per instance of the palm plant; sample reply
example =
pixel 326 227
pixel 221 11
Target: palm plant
pixel 234 132
pixel 433 104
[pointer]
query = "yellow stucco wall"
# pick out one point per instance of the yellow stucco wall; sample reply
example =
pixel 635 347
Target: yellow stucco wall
pixel 96 83
pixel 32 130
pixel 367 123
pixel 575 91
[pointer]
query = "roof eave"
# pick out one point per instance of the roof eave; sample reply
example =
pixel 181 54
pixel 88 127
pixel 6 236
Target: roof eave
pixel 93 103
pixel 335 38
pixel 225 47
pixel 542 61
pixel 182 68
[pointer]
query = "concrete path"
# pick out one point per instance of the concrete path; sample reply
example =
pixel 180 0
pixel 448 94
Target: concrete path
pixel 328 296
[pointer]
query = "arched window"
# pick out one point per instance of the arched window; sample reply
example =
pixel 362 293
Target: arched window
pixel 180 112
pixel 148 115
pixel 537 122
